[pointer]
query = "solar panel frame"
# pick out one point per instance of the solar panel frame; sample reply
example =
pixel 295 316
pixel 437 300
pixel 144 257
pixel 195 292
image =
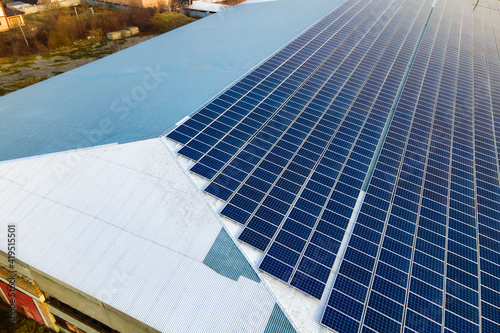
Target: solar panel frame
pixel 425 249
pixel 284 86
pixel 391 275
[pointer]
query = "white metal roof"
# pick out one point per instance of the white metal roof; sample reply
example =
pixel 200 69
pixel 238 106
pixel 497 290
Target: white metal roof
pixel 304 310
pixel 207 6
pixel 127 210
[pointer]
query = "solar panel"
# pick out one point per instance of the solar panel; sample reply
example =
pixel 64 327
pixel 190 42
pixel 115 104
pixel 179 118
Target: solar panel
pixel 486 87
pixel 267 87
pixel 386 106
pixel 283 115
pixel 421 250
pixel 335 209
pixel 386 278
pixel 307 163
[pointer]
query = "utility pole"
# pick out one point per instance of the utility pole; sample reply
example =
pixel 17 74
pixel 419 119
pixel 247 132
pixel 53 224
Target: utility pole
pixel 78 20
pixel 20 27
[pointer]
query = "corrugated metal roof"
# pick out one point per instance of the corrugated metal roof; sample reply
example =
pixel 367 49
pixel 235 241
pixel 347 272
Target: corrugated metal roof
pixel 207 6
pixel 144 90
pixel 303 310
pixel 138 245
pixel 278 323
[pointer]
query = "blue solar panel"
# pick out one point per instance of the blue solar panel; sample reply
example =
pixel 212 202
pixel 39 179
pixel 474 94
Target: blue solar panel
pixel 445 137
pixel 327 229
pixel 291 146
pixel 256 87
pixel 487 162
pixel 388 274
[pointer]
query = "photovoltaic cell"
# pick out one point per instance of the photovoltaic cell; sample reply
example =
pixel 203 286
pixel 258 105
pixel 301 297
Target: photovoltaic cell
pixel 387 271
pixel 329 229
pixel 486 85
pixel 442 238
pixel 291 145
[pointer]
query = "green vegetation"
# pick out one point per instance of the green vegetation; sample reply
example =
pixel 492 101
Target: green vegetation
pixel 62 27
pixel 32 69
pixel 164 22
pixel 64 38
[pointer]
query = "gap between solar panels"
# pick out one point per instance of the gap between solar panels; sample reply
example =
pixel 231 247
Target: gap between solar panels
pixel 318 290
pixel 314 71
pixel 349 230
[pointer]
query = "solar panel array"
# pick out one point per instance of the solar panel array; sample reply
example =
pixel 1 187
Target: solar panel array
pixel 395 98
pixel 420 271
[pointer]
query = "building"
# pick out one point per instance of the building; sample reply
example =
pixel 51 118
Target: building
pixel 202 9
pixel 10 18
pixel 340 174
pixel 19 5
pixel 168 4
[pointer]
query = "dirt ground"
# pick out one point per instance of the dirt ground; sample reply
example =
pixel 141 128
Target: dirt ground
pixel 33 69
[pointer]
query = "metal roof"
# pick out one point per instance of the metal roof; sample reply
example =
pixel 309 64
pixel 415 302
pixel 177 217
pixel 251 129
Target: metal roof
pixel 113 206
pixel 134 215
pixel 207 6
pixel 142 91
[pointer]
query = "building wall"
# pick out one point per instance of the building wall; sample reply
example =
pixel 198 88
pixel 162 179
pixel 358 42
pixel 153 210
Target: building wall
pixel 14 21
pixel 7 23
pixel 24 303
pixel 45 286
pixel 4 25
pixel 29 300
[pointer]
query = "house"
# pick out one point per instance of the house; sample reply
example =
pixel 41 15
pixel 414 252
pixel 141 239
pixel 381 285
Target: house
pixel 19 5
pixel 202 9
pixel 10 18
